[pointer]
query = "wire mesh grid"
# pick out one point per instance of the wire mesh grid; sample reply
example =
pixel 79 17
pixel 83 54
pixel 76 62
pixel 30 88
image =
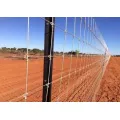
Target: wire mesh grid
pixel 80 68
pixel 21 67
pixel 80 56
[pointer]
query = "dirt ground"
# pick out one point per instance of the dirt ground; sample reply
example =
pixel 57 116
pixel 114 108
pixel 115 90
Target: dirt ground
pixel 110 85
pixel 76 82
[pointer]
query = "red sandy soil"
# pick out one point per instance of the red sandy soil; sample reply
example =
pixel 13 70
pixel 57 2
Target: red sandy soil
pixel 110 86
pixel 78 86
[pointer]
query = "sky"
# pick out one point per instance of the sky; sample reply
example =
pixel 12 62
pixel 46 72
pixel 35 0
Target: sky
pixel 110 29
pixel 13 33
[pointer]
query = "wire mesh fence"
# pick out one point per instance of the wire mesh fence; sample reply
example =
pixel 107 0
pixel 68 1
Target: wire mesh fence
pixel 80 63
pixel 71 68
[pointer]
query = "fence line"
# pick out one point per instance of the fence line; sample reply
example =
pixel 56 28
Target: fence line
pixel 93 43
pixel 71 72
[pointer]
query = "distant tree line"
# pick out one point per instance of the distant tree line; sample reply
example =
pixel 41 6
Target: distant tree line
pixel 116 55
pixel 33 51
pixel 67 53
pixel 21 50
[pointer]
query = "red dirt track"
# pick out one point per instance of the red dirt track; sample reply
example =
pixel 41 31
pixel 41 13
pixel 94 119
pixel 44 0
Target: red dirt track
pixel 110 85
pixel 72 87
pixel 13 76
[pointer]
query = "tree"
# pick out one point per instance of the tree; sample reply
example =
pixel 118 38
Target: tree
pixel 23 50
pixel 77 52
pixel 35 50
pixel 13 49
pixel 4 48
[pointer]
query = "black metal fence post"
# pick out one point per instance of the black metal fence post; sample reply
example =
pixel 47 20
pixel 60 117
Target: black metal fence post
pixel 48 58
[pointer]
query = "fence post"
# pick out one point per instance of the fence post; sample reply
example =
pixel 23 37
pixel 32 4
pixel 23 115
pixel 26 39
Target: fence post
pixel 48 58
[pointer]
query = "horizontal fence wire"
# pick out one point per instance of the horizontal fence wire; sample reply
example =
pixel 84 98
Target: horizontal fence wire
pixel 86 48
pixel 80 57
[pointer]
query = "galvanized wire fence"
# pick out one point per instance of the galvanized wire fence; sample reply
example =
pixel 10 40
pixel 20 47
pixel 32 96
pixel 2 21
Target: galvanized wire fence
pixel 74 61
pixel 80 68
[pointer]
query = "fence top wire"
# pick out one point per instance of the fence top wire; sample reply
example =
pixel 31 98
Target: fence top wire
pixel 90 28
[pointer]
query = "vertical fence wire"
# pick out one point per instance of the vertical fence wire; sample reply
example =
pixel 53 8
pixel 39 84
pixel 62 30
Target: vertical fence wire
pixel 73 36
pixel 78 65
pixel 26 84
pixel 84 45
pixel 80 46
pixel 87 55
pixel 91 41
pixel 78 59
pixel 73 48
pixel 63 56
